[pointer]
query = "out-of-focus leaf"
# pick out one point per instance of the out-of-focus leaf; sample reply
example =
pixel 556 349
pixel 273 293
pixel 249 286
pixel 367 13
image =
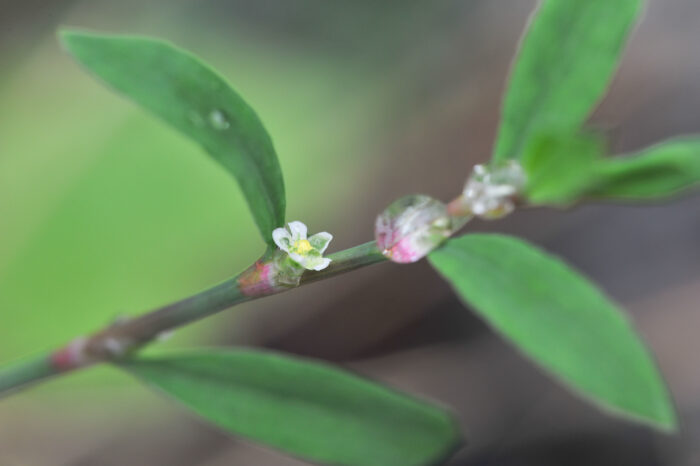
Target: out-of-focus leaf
pixel 560 166
pixel 565 62
pixel 558 319
pixel 194 99
pixel 657 172
pixel 305 408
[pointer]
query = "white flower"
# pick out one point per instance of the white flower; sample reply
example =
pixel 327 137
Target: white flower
pixel 307 252
pixel 489 190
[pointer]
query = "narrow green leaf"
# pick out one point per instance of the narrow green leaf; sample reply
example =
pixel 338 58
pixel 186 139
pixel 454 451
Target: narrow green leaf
pixel 194 99
pixel 558 319
pixel 659 171
pixel 565 62
pixel 305 408
pixel 560 166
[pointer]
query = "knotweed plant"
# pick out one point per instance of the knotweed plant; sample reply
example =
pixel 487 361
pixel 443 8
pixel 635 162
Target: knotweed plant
pixel 543 156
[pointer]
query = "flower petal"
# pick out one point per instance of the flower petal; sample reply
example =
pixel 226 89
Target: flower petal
pixel 298 230
pixel 320 241
pixel 299 259
pixel 282 238
pixel 313 260
pixel 321 264
pixel 314 254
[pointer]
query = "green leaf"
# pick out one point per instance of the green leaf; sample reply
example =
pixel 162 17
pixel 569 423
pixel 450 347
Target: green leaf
pixel 659 171
pixel 560 166
pixel 563 168
pixel 558 319
pixel 194 99
pixel 305 408
pixel 566 60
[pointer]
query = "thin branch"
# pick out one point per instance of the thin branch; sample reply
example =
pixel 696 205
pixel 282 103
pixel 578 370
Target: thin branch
pixel 123 338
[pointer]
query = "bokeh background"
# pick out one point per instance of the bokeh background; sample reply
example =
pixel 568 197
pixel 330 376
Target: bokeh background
pixel 105 211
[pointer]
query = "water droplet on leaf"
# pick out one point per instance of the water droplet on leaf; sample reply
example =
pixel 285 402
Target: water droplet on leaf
pixel 218 120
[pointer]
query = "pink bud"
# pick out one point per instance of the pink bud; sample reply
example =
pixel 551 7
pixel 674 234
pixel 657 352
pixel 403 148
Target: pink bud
pixel 411 227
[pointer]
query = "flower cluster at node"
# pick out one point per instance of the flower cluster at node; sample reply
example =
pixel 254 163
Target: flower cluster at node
pixel 489 191
pixel 305 252
pixel 411 227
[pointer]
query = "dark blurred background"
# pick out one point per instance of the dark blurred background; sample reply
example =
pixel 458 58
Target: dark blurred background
pixel 104 211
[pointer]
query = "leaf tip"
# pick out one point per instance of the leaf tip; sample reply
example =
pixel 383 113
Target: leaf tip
pixel 67 34
pixel 663 420
pixel 666 419
pixel 69 38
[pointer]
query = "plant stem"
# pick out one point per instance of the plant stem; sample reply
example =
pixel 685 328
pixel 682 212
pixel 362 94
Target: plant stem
pixel 121 338
pixel 21 372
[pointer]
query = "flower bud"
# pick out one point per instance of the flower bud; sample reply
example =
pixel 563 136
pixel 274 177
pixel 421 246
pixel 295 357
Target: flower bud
pixel 489 191
pixel 411 227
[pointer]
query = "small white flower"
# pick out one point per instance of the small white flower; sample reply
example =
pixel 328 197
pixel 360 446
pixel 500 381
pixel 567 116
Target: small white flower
pixel 489 190
pixel 307 252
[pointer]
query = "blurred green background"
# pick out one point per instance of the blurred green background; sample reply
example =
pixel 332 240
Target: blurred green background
pixel 105 211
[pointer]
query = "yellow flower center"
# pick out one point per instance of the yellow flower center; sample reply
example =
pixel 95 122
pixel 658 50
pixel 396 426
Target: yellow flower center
pixel 302 247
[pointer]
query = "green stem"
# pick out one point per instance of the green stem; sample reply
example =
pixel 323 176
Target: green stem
pixel 124 337
pixel 25 371
pixel 347 261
